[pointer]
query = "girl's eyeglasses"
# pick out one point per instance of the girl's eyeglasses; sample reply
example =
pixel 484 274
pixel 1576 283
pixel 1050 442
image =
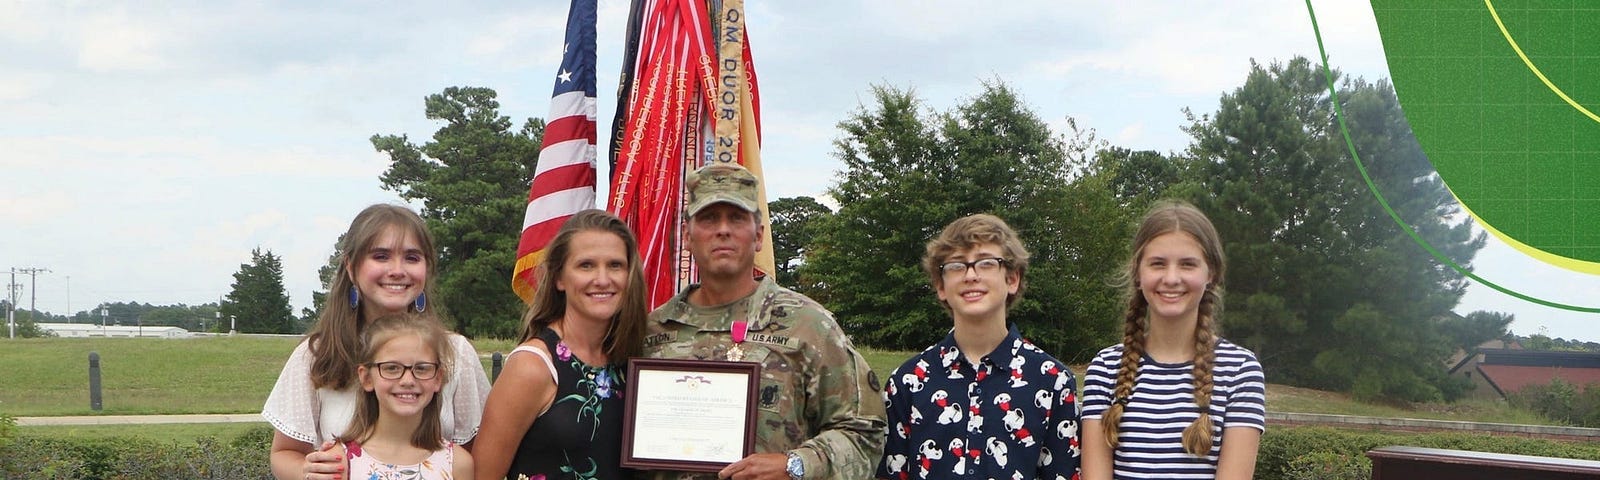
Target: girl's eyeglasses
pixel 395 370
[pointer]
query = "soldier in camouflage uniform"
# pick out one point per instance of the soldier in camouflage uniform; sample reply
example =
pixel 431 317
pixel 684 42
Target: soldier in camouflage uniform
pixel 819 411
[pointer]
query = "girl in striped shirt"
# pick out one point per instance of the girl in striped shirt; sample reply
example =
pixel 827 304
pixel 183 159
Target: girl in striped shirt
pixel 1143 399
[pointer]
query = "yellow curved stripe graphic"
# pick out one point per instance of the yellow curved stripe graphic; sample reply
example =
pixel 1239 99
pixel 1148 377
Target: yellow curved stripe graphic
pixel 1536 72
pixel 1580 266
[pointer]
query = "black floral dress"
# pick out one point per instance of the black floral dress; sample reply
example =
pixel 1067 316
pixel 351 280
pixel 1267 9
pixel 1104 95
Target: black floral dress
pixel 580 436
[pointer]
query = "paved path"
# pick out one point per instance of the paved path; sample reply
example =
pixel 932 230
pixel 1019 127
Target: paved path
pixel 140 419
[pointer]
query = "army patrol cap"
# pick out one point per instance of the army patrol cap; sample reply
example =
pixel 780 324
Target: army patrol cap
pixel 722 182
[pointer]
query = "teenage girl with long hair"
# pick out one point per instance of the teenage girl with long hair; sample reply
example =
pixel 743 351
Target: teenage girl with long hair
pixel 1173 400
pixel 386 262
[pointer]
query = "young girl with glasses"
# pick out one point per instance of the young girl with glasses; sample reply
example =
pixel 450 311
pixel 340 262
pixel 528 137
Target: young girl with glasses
pixel 1173 400
pixel 396 433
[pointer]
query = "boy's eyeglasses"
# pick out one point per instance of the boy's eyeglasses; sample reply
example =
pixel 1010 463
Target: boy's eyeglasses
pixel 984 265
pixel 395 370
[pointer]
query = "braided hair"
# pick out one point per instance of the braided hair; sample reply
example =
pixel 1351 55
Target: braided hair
pixel 1168 217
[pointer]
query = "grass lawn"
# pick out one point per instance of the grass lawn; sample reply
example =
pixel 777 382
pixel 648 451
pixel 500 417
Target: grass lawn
pixel 144 376
pixel 884 361
pixel 50 376
pixel 1284 398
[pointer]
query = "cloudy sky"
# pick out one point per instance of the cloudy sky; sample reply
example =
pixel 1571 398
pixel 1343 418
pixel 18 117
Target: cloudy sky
pixel 147 147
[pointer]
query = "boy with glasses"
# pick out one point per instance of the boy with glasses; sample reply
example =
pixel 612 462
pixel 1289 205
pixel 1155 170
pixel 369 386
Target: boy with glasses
pixel 983 402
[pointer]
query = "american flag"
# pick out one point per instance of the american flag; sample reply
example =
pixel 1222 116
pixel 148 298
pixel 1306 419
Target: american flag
pixel 564 178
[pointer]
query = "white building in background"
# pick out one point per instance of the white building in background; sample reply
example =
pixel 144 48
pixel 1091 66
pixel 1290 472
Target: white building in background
pixel 70 330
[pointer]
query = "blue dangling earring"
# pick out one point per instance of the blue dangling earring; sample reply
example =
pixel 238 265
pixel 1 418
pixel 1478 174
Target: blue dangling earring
pixel 355 297
pixel 421 303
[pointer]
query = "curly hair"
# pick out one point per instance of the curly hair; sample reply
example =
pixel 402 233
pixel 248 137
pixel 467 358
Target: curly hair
pixel 968 232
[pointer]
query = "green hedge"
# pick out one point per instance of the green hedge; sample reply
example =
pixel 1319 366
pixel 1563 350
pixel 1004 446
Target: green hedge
pixel 1323 453
pixel 1561 401
pixel 134 458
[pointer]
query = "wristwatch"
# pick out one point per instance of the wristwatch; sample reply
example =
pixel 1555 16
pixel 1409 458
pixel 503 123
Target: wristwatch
pixel 796 469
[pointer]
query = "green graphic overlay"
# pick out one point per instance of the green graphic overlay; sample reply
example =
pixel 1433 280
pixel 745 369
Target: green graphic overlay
pixel 1339 113
pixel 1500 95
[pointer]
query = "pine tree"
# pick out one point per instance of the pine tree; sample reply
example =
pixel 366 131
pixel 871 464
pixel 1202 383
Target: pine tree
pixel 472 179
pixel 258 303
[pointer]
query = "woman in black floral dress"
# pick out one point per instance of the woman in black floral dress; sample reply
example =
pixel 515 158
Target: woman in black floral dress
pixel 555 411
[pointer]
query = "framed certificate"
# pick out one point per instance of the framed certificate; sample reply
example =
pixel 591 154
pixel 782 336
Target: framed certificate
pixel 689 415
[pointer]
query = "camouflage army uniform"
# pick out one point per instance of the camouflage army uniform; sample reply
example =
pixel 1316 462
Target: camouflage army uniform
pixel 818 397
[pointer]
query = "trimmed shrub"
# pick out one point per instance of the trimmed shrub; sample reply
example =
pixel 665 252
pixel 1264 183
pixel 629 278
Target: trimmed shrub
pixel 8 429
pixel 1281 447
pixel 134 458
pixel 1330 466
pixel 208 458
pixel 44 459
pixel 259 438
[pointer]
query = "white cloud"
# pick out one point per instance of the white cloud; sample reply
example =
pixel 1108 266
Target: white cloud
pixel 116 42
pixel 506 39
pixel 181 157
pixel 23 207
pixel 1131 134
pixel 22 86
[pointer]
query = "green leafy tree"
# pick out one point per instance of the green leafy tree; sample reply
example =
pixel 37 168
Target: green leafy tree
pixel 907 175
pixel 1321 283
pixel 1543 341
pixel 472 179
pixel 1468 332
pixel 1137 177
pixel 257 302
pixel 171 315
pixel 794 223
pixel 196 318
pixel 25 324
pixel 308 315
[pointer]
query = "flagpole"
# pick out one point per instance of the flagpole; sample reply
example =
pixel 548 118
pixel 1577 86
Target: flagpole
pixel 626 83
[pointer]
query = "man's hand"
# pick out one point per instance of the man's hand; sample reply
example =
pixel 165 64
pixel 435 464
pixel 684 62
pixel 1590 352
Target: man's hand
pixel 760 466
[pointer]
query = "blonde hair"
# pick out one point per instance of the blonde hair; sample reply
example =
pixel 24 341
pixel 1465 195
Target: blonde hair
pixel 430 431
pixel 1164 217
pixel 335 340
pixel 969 232
pixel 625 338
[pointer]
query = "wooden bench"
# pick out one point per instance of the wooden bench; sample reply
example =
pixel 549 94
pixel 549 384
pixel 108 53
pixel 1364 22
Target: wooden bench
pixel 1416 463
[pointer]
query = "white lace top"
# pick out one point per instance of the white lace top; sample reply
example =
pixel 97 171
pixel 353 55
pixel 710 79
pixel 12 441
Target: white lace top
pixel 315 415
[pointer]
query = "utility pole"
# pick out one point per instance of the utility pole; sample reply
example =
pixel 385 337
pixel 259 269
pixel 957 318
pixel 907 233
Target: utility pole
pixel 11 305
pixel 33 291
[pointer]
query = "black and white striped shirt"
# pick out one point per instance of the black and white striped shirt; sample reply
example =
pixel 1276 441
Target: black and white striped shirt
pixel 1150 436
